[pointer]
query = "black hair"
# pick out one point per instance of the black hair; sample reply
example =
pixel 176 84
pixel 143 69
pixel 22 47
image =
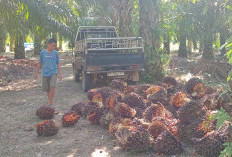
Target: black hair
pixel 52 40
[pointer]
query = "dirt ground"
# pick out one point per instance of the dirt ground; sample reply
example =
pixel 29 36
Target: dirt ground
pixel 19 101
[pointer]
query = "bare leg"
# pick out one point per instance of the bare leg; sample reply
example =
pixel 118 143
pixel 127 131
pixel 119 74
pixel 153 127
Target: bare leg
pixel 51 95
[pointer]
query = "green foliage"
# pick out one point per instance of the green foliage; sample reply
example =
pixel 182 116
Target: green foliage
pixel 227 151
pixel 222 116
pixel 229 56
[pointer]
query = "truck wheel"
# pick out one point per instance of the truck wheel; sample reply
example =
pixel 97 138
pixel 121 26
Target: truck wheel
pixel 86 81
pixel 76 76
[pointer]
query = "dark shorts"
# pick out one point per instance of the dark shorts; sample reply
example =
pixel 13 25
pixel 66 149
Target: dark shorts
pixel 49 82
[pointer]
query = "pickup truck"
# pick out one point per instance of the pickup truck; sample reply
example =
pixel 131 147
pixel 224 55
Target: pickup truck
pixel 100 55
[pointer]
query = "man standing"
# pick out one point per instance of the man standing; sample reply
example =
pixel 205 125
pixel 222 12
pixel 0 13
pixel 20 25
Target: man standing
pixel 49 61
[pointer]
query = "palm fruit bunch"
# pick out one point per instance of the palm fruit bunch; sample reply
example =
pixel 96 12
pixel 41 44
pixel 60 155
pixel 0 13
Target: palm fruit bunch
pixel 178 100
pixel 88 108
pixel 170 81
pixel 78 108
pixel 114 98
pixel 191 111
pixel 210 101
pixel 136 102
pixel 106 118
pixel 70 119
pixel 156 128
pixel 119 123
pixel 187 131
pixel 160 114
pixel 207 125
pixel 124 111
pixel 211 144
pixel 130 89
pixel 156 94
pixel 47 128
pixel 223 99
pixel 118 85
pixel 91 93
pixel 96 115
pixel 195 88
pixel 45 112
pixel 155 110
pixel 167 144
pixel 141 90
pixel 133 138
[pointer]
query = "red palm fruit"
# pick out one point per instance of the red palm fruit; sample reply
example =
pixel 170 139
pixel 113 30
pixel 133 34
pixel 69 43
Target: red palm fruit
pixel 153 89
pixel 105 93
pixel 210 90
pixel 99 100
pixel 191 111
pixel 228 108
pixel 114 98
pixel 211 144
pixel 223 99
pixel 130 89
pixel 78 108
pixel 118 85
pixel 105 119
pixel 155 110
pixel 167 144
pixel 170 81
pixel 47 128
pixel 124 111
pixel 179 99
pixel 136 102
pixel 45 112
pixel 95 116
pixel 209 101
pixel 141 90
pixel 156 128
pixel 187 131
pixel 91 93
pixel 118 123
pixel 133 137
pixel 195 88
pixel 70 119
pixel 207 126
pixel 89 107
pixel 159 96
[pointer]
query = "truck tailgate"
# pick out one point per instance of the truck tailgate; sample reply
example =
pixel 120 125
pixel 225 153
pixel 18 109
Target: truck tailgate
pixel 105 62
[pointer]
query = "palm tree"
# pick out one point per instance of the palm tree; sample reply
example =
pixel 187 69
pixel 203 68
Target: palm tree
pixel 149 20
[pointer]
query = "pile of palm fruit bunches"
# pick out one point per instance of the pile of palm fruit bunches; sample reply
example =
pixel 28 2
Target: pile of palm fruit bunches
pixel 165 116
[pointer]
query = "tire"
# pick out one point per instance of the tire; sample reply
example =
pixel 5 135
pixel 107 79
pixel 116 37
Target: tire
pixel 86 81
pixel 76 76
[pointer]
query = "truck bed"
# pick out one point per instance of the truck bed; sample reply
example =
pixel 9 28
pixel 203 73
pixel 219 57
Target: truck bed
pixel 110 62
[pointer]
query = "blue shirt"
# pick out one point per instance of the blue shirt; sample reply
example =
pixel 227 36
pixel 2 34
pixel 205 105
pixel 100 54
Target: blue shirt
pixel 49 62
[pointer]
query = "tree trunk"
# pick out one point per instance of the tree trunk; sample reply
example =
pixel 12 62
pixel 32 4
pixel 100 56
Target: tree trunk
pixel 208 47
pixel 37 44
pixel 149 19
pixel 189 46
pixel 223 35
pixel 125 11
pixel 2 44
pixel 19 48
pixel 182 47
pixel 60 47
pixel 12 42
pixel 167 44
pixel 201 47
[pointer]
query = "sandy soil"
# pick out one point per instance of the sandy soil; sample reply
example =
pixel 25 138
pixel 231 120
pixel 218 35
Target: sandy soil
pixel 18 104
